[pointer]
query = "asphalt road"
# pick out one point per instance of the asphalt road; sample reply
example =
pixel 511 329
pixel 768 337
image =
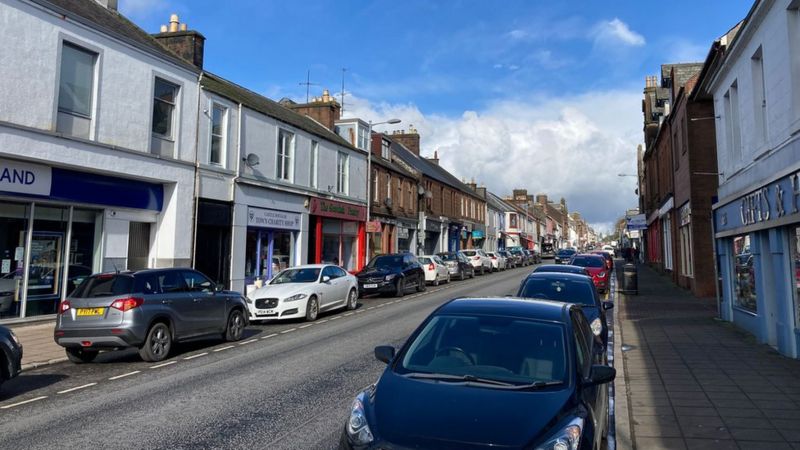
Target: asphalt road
pixel 285 386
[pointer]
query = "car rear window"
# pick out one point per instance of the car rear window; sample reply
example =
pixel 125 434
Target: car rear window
pixel 104 285
pixel 448 256
pixel 588 261
pixel 468 252
pixel 424 260
pixel 567 291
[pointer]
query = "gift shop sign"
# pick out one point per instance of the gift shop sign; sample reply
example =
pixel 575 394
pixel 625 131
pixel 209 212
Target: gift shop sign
pixel 771 205
pixel 337 210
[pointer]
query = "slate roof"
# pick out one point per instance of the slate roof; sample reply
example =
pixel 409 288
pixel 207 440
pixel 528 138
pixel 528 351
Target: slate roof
pixel 497 203
pixel 258 102
pixel 94 15
pixel 431 170
pixel 377 160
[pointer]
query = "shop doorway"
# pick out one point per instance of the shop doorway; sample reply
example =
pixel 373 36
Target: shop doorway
pixel 138 245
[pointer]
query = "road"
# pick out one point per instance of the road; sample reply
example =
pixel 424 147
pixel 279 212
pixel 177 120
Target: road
pixel 285 386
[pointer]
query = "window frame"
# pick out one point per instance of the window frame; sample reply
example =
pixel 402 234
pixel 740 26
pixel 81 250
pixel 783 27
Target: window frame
pixel 313 177
pixel 284 153
pixel 343 173
pixel 223 137
pixel 97 65
pixel 174 113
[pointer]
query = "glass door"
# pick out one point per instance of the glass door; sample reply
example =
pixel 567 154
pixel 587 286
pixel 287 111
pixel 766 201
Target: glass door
pixel 13 227
pixel 47 262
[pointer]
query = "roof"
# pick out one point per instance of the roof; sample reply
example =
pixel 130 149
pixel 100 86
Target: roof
pixel 508 306
pixel 559 268
pixel 430 169
pixel 392 166
pixel 258 102
pixel 111 22
pixel 497 203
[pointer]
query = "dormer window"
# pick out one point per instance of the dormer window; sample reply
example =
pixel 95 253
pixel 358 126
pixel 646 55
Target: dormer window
pixel 385 151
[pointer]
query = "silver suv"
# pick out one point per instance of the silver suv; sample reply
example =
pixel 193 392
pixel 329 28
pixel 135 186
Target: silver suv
pixel 146 309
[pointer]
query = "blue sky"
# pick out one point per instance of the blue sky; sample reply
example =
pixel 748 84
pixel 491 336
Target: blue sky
pixel 515 79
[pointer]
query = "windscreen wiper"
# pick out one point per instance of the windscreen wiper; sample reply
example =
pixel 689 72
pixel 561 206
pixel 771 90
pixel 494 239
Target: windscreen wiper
pixel 537 385
pixel 457 378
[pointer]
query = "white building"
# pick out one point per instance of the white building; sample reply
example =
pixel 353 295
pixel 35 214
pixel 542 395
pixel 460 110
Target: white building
pixel 97 139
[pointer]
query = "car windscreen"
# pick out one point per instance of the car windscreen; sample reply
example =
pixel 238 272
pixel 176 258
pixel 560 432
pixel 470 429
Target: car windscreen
pixel 560 290
pixel 104 285
pixel 308 275
pixel 560 269
pixel 588 261
pixel 487 347
pixel 385 262
pixel 469 252
pixel 424 260
pixel 448 256
pixel 565 252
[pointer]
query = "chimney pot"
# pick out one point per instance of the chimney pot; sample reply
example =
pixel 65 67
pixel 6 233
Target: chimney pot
pixel 183 27
pixel 173 23
pixel 164 28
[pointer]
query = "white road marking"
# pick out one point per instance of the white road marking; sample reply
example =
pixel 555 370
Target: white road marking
pixel 195 356
pixel 335 318
pixel 322 321
pixel 269 336
pixel 371 307
pixel 359 311
pixel 124 375
pixel 76 388
pixel 288 331
pixel 248 342
pixel 305 326
pixel 348 314
pixel 381 305
pixel 224 348
pixel 23 402
pixel 168 363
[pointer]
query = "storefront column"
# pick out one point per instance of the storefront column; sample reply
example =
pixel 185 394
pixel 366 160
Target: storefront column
pixel 318 240
pixel 27 263
pixel 362 245
pixel 65 274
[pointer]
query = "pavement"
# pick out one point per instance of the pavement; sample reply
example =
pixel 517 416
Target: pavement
pixel 38 346
pixel 693 382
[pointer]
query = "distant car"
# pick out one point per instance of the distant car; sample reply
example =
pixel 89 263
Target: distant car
pixel 146 309
pixel 304 292
pixel 608 257
pixel 609 249
pixel 511 261
pixel 529 256
pixel 596 266
pixel 499 261
pixel 10 355
pixel 564 255
pixel 463 381
pixel 561 268
pixel 392 273
pixel 457 265
pixel 479 260
pixel 435 269
pixel 519 257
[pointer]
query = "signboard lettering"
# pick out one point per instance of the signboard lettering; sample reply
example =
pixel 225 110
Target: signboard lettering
pixel 338 210
pixel 24 178
pixel 271 218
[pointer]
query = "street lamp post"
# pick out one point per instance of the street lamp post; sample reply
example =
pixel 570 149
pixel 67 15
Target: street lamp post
pixel 369 180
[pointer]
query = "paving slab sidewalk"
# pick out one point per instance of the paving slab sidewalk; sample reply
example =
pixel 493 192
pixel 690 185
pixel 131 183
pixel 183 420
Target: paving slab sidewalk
pixel 38 347
pixel 693 382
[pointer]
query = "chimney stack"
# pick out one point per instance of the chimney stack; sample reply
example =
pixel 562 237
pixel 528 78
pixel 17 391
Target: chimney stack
pixel 409 139
pixel 435 158
pixel 325 110
pixel 108 4
pixel 541 199
pixel 187 44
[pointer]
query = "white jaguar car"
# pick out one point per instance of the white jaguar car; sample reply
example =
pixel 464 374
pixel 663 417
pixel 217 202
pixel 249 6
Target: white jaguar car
pixel 304 291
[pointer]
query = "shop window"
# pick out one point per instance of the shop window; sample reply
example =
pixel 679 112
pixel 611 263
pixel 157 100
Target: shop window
pixel 744 289
pixel 795 268
pixel 340 243
pixel 75 88
pixel 267 252
pixel 13 226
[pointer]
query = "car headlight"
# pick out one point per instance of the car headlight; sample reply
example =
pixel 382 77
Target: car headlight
pixel 390 277
pixel 14 337
pixel 357 426
pixel 597 326
pixel 248 300
pixel 601 275
pixel 569 438
pixel 295 297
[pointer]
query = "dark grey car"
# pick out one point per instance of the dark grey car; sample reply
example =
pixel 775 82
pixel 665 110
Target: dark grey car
pixel 10 355
pixel 146 309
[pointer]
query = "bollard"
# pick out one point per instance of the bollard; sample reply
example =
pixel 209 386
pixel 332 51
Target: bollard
pixel 630 279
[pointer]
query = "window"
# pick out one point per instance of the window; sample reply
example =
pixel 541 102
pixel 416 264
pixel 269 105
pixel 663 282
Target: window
pixel 687 268
pixel 165 98
pixel 400 192
pixel 342 173
pixel 197 282
pixel 667 236
pixel 744 279
pixel 732 124
pixel 385 154
pixel 314 161
pixel 283 168
pixel 75 91
pixel 759 97
pixel 794 267
pixel 219 125
pixel 363 140
pixel 388 186
pixel 375 186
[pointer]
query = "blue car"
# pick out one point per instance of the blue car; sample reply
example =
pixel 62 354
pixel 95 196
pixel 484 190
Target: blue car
pixel 10 355
pixel 463 381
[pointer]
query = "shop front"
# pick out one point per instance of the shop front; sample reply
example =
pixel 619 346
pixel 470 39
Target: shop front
pixel 758 259
pixel 433 236
pixel 455 237
pixel 389 235
pixel 479 238
pixel 339 233
pixel 271 238
pixel 53 223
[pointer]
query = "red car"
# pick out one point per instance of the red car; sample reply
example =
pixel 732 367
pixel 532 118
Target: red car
pixel 597 268
pixel 607 256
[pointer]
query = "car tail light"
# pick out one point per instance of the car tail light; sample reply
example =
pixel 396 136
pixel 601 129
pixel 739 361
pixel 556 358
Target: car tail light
pixel 431 267
pixel 126 304
pixel 476 258
pixel 494 257
pixel 63 306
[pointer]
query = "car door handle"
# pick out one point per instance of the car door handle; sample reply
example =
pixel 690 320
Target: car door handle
pixel 196 300
pixel 166 302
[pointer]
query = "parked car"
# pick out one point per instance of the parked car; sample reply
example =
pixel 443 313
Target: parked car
pixel 147 309
pixel 570 288
pixel 10 355
pixel 537 256
pixel 499 261
pixel 529 256
pixel 561 268
pixel 519 255
pixel 462 381
pixel 479 260
pixel 304 292
pixel 435 269
pixel 458 265
pixel 564 255
pixel 511 262
pixel 596 266
pixel 609 257
pixel 392 273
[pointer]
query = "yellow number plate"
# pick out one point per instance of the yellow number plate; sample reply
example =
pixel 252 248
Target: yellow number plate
pixel 91 311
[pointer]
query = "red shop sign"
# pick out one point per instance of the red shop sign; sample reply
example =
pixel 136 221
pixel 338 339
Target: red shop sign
pixel 337 210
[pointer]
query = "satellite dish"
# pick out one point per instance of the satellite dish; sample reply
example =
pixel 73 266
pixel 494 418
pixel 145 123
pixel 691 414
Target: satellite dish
pixel 251 160
pixel 388 202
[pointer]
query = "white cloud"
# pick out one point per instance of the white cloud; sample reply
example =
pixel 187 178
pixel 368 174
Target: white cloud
pixel 570 147
pixel 615 31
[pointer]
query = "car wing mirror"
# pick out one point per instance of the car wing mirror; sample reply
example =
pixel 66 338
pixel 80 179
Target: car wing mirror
pixel 326 279
pixel 602 374
pixel 384 353
pixel 608 305
pixel 219 287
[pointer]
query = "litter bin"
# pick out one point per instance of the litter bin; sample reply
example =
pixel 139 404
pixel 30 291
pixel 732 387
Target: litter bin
pixel 630 279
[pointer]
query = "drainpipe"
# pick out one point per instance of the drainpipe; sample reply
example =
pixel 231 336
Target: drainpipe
pixel 233 192
pixel 196 171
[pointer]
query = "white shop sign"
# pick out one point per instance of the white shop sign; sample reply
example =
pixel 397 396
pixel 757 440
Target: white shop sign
pixel 24 178
pixel 271 218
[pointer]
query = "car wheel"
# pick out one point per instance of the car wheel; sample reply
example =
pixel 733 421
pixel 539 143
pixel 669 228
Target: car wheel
pixel 472 273
pixel 235 329
pixel 157 344
pixel 483 270
pixel 448 278
pixel 436 281
pixel 81 356
pixel 461 275
pixel 352 300
pixel 312 309
pixel 421 286
pixel 400 287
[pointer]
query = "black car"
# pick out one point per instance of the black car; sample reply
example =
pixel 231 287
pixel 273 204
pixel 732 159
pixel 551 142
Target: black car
pixel 462 381
pixel 10 355
pixel 457 265
pixel 391 274
pixel 561 268
pixel 511 261
pixel 519 256
pixel 564 255
pixel 570 288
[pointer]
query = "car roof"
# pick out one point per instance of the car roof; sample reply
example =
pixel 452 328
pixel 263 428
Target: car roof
pixel 565 276
pixel 509 306
pixel 591 255
pixel 544 267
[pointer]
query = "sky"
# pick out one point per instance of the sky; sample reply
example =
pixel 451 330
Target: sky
pixel 519 94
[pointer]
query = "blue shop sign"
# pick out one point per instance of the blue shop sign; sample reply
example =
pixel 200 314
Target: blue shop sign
pixel 774 204
pixel 53 183
pixel 477 234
